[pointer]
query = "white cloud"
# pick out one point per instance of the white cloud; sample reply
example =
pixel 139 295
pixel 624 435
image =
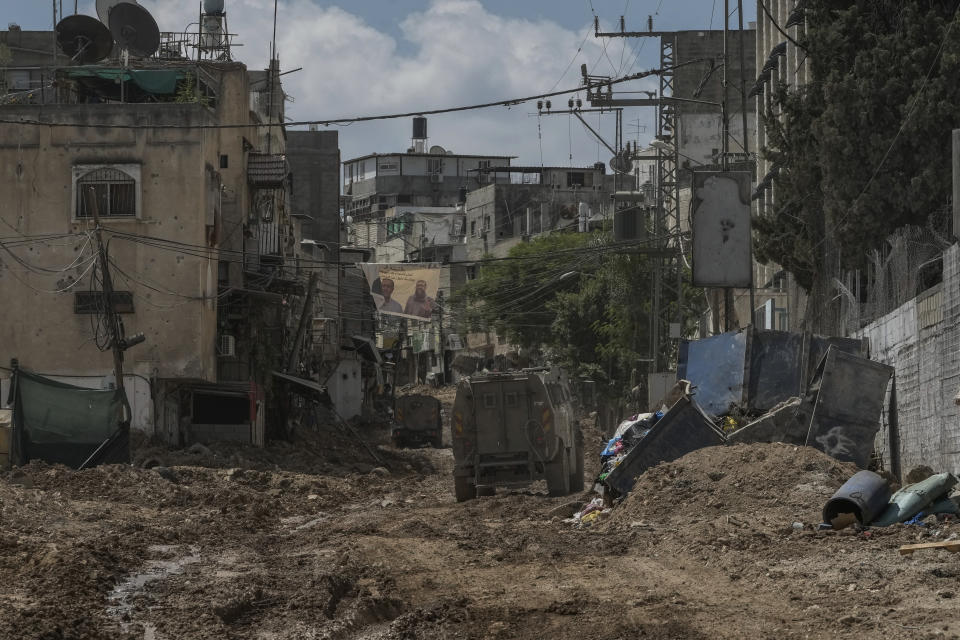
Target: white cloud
pixel 453 52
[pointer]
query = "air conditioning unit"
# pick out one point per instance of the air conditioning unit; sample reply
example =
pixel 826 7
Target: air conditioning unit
pixel 436 177
pixel 227 346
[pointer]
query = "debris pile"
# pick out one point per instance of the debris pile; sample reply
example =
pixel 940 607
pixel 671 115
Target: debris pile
pixel 747 387
pixel 772 482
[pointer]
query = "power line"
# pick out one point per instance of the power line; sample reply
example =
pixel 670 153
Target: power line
pixel 338 121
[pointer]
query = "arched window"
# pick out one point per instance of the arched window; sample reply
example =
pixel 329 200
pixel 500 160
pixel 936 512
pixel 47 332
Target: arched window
pixel 115 192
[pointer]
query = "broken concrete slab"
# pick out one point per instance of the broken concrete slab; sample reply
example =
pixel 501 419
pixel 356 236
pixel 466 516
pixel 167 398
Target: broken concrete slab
pixel 780 424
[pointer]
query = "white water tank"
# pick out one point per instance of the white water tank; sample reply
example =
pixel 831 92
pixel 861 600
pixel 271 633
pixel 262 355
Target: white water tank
pixel 213 6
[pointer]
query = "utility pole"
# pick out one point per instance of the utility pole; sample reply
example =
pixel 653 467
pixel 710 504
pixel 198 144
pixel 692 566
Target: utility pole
pixel 302 327
pixel 114 323
pixel 666 213
pixel 441 346
pixel 118 341
pixel 746 142
pixel 729 311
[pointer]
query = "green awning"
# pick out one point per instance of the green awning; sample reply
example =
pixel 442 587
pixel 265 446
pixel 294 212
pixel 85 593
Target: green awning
pixel 155 81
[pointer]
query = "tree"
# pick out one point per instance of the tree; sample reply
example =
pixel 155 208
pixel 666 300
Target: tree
pixel 582 302
pixel 865 147
pixel 509 296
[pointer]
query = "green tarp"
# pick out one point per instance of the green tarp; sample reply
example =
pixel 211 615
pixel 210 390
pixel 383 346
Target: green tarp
pixel 58 422
pixel 163 81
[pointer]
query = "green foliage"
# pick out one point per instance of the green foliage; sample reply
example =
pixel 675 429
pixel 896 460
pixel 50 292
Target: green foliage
pixel 588 309
pixel 509 295
pixel 870 62
pixel 187 91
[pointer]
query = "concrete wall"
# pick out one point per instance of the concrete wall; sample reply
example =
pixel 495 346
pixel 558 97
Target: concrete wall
pixel 314 158
pixel 506 205
pixel 955 154
pixel 921 340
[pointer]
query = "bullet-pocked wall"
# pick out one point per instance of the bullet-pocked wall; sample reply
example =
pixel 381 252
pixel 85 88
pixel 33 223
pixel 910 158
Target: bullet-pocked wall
pixel 921 340
pixel 157 174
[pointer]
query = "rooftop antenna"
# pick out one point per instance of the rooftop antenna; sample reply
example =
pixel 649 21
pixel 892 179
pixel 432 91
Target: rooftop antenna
pixel 271 70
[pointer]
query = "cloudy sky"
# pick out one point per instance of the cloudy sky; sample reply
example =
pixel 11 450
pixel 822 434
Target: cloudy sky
pixel 367 57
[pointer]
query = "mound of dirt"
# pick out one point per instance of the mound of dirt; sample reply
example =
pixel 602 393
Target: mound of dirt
pixel 782 482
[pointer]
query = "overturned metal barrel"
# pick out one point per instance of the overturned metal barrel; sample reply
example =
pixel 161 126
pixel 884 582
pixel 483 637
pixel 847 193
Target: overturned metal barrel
pixel 865 495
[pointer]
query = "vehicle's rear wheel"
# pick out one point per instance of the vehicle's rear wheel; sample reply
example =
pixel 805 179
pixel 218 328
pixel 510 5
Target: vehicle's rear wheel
pixel 464 488
pixel 558 473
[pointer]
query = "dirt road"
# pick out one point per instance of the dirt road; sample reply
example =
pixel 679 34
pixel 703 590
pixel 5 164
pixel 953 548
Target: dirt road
pixel 319 540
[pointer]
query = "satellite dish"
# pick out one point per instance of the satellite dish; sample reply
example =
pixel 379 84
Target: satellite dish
pixel 83 38
pixel 134 29
pixel 437 150
pixel 104 7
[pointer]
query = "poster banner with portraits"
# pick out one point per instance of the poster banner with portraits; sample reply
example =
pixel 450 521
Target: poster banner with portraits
pixel 407 290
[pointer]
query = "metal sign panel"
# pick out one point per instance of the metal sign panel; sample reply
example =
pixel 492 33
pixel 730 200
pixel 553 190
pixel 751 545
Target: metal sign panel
pixel 849 401
pixel 721 229
pixel 715 367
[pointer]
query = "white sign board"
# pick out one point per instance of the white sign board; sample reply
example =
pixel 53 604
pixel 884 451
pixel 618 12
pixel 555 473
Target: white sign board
pixel 721 229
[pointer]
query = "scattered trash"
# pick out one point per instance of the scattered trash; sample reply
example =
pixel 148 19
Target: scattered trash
pixel 917 520
pixel 590 513
pixel 913 498
pixel 682 429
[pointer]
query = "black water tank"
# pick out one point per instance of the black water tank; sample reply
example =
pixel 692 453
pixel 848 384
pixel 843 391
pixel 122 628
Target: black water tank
pixel 420 128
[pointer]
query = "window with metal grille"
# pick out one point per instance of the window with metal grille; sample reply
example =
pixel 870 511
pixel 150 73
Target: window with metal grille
pixel 114 191
pixel 92 301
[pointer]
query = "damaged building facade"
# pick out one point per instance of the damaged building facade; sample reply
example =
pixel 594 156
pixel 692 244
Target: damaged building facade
pixel 195 219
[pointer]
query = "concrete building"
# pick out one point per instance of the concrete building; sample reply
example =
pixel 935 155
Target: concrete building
pixel 314 158
pixel 421 177
pixel 778 63
pixel 699 87
pixel 539 200
pixel 202 244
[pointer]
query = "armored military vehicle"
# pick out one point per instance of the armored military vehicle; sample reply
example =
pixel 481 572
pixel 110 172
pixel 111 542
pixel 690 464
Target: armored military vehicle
pixel 510 429
pixel 417 420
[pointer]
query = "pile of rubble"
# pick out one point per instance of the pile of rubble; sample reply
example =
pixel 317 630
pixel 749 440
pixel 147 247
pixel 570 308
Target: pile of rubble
pixel 746 387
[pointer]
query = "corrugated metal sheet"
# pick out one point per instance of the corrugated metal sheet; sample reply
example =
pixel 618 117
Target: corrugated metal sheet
pixel 269 237
pixel 267 169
